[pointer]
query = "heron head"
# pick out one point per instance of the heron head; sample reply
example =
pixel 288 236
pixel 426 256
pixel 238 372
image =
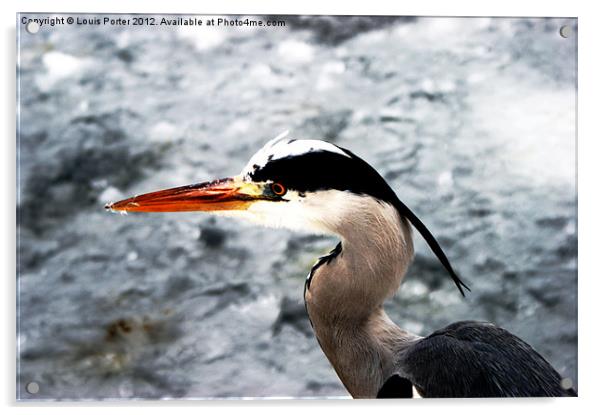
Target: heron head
pixel 307 185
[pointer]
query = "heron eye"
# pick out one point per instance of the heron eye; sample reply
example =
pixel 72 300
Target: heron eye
pixel 278 189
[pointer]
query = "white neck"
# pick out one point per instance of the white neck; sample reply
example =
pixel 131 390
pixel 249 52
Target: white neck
pixel 345 297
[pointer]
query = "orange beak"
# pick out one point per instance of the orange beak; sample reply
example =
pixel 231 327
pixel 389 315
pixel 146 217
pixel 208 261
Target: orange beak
pixel 224 194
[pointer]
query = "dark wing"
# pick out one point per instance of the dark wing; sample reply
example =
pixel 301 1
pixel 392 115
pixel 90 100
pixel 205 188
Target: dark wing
pixel 473 359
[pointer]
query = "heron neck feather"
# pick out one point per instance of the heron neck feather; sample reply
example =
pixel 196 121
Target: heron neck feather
pixel 346 296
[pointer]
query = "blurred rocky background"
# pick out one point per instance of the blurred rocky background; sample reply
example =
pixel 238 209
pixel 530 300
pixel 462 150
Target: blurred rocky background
pixel 471 120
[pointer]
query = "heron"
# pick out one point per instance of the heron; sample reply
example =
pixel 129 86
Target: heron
pixel 320 187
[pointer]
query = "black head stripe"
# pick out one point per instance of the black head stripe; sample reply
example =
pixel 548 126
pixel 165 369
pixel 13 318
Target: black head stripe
pixel 325 170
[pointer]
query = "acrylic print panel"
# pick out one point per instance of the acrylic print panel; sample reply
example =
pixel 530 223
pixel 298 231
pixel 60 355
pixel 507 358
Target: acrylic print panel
pixel 471 121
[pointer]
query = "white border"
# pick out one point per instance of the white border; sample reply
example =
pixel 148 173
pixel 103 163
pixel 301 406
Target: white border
pixel 590 209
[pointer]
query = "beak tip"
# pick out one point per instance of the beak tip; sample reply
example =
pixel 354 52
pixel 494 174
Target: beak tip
pixel 110 207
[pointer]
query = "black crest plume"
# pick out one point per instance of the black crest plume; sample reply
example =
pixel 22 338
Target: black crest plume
pixel 324 170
